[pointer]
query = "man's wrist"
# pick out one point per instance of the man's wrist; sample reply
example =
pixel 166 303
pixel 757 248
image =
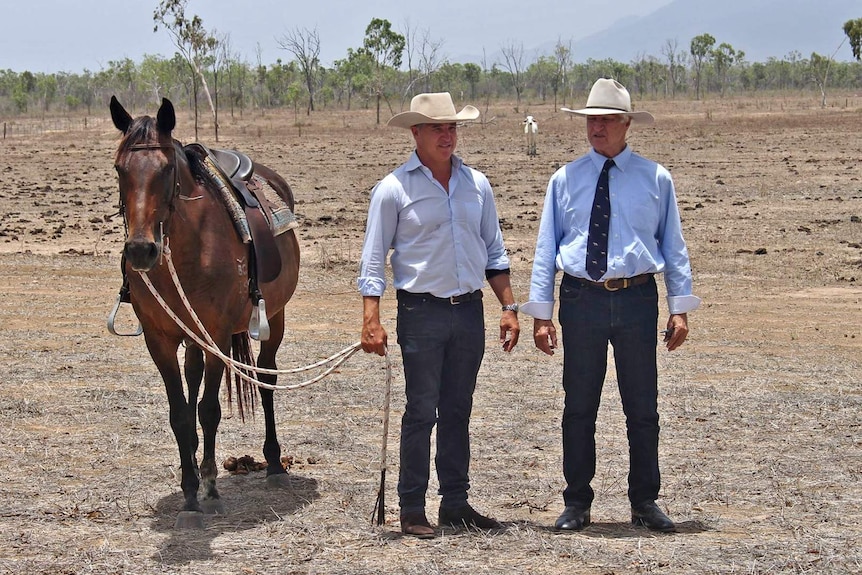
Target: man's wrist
pixel 512 307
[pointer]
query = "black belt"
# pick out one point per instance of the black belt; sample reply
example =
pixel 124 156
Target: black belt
pixel 613 284
pixel 451 300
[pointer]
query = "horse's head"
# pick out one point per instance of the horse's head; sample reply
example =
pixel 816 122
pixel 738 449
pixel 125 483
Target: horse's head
pixel 147 167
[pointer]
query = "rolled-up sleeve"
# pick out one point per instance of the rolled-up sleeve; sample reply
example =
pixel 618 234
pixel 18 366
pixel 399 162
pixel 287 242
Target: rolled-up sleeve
pixel 379 233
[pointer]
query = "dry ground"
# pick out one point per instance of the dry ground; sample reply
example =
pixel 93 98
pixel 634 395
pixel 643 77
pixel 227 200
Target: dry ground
pixel 761 440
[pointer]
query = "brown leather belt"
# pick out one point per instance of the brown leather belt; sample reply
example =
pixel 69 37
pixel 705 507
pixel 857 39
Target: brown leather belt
pixel 452 300
pixel 613 284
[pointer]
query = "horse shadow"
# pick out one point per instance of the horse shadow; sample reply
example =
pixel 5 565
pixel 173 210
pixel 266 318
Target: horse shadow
pixel 248 501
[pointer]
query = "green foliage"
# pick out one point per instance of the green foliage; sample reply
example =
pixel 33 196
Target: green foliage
pixel 853 30
pixel 369 72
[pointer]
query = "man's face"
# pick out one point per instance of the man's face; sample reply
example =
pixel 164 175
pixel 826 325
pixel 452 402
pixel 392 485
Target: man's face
pixel 607 134
pixel 435 142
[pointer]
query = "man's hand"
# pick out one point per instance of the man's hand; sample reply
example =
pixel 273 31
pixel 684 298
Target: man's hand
pixel 545 335
pixel 677 327
pixel 510 330
pixel 373 338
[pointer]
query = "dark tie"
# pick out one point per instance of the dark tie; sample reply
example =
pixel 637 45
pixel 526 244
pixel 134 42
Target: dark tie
pixel 600 218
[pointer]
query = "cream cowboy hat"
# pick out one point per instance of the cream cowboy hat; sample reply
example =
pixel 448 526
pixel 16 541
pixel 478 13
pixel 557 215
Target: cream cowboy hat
pixel 607 96
pixel 435 108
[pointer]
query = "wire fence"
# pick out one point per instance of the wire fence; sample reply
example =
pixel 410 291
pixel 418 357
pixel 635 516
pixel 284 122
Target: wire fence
pixel 40 126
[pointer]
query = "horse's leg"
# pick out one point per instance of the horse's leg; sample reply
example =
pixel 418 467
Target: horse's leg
pixel 209 413
pixel 193 368
pixel 276 476
pixel 164 355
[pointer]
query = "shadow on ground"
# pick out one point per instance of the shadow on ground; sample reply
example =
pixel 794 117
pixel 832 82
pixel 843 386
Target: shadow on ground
pixel 248 502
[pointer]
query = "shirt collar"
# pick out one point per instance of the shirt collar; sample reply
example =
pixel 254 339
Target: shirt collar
pixel 620 160
pixel 413 162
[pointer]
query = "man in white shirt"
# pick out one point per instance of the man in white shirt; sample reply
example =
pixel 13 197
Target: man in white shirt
pixel 439 218
pixel 610 223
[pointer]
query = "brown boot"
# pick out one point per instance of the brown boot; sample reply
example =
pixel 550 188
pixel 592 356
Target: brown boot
pixel 416 524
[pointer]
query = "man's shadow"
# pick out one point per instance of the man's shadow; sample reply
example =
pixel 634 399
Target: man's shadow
pixel 620 530
pixel 248 502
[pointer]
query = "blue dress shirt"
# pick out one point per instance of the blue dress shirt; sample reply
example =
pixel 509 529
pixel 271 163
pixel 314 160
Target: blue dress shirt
pixel 645 233
pixel 442 243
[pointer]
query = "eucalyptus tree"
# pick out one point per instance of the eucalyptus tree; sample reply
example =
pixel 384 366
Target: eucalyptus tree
pixel 853 30
pixel 701 55
pixel 563 62
pixel 305 46
pixel 353 74
pixel 674 56
pixel 724 59
pixel 472 73
pixel 513 62
pixel 385 46
pixel 194 43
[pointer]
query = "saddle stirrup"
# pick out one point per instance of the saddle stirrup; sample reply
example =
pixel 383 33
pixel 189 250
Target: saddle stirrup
pixel 112 317
pixel 258 324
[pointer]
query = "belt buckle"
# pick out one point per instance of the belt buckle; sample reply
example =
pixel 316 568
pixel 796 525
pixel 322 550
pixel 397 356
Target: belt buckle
pixel 453 300
pixel 606 284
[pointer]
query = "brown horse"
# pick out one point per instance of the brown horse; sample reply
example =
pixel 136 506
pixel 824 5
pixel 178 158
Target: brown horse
pixel 165 204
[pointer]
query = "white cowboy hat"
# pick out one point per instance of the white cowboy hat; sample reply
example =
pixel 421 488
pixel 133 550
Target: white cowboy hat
pixel 434 108
pixel 607 96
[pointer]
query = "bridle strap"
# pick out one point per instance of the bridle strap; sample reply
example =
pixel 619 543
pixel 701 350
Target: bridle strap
pixel 174 189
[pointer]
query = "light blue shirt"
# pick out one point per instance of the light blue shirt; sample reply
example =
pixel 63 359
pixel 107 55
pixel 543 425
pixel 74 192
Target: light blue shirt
pixel 645 234
pixel 441 243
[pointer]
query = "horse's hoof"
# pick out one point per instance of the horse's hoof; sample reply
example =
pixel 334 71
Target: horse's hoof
pixel 213 507
pixel 278 481
pixel 189 520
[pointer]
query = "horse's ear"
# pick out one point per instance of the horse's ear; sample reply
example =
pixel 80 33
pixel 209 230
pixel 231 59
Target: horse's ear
pixel 166 119
pixel 122 119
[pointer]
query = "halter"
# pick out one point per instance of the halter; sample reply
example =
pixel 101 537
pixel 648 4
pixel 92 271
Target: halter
pixel 175 188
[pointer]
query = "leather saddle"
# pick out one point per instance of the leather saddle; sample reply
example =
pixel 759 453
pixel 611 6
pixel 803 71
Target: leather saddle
pixel 238 169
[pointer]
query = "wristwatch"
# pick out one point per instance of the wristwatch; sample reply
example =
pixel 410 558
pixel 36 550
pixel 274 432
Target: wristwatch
pixel 512 307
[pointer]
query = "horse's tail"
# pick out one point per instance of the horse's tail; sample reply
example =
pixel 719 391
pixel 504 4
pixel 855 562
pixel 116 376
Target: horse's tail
pixel 245 391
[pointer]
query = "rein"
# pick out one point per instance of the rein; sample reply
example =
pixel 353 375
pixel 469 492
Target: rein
pixel 241 369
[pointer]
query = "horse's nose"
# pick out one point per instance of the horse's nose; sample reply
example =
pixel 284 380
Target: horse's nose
pixel 141 255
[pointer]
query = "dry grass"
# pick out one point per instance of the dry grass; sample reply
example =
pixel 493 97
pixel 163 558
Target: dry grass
pixel 761 449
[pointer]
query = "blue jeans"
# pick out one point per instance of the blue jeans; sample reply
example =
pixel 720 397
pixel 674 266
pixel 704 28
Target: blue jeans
pixel 442 346
pixel 589 319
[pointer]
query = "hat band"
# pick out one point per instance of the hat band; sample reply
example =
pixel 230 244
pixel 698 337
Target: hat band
pixel 608 108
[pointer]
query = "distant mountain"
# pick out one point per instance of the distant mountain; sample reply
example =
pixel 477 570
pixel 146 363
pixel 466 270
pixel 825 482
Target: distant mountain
pixel 760 28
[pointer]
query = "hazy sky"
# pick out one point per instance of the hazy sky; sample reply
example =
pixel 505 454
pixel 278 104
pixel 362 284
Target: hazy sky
pixel 74 35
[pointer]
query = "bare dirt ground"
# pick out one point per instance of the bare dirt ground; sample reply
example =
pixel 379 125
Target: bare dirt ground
pixel 761 441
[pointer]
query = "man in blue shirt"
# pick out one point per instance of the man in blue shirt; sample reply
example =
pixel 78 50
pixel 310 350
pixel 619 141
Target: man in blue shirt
pixel 610 223
pixel 439 218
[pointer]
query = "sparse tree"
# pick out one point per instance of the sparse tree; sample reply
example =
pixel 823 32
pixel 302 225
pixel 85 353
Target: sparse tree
pixel 305 46
pixel 429 56
pixel 563 59
pixel 472 73
pixel 853 30
pixel 670 50
pixel 385 47
pixel 192 40
pixel 724 58
pixel 701 52
pixel 513 62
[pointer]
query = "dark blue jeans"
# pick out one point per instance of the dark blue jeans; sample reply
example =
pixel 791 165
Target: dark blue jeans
pixel 589 319
pixel 442 346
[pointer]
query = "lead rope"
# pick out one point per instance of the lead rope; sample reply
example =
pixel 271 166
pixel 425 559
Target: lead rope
pixel 237 368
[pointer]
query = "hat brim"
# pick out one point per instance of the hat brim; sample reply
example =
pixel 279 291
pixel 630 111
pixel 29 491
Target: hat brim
pixel 410 119
pixel 639 117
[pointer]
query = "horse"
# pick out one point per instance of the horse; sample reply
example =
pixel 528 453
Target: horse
pixel 168 207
